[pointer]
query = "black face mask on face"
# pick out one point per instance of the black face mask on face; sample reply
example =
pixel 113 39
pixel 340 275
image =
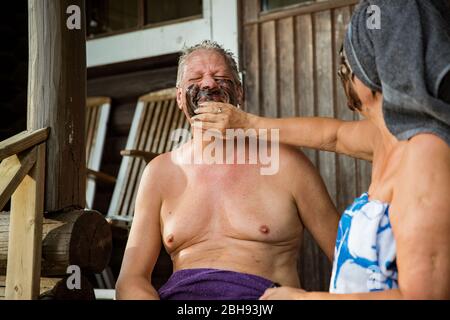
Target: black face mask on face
pixel 226 92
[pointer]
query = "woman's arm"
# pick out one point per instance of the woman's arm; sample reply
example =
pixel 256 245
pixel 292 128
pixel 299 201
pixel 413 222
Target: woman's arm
pixel 353 138
pixel 420 218
pixel 144 241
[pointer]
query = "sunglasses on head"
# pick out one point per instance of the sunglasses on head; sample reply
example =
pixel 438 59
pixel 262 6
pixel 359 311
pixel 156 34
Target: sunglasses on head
pixel 346 75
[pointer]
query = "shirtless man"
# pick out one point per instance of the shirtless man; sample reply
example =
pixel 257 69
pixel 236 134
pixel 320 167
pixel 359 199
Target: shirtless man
pixel 230 231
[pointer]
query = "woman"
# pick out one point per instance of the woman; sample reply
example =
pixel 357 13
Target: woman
pixel 393 241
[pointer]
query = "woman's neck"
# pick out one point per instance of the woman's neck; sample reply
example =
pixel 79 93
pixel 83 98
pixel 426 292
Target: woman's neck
pixel 374 113
pixel 387 156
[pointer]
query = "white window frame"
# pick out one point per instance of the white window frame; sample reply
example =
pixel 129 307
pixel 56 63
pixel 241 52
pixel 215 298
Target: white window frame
pixel 219 23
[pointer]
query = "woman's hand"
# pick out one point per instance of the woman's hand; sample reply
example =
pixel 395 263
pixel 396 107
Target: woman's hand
pixel 284 293
pixel 220 116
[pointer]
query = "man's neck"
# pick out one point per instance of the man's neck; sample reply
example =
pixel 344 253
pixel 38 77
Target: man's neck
pixel 201 141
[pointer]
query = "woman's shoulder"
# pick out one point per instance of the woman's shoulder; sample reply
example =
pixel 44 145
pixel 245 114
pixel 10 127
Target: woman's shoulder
pixel 424 173
pixel 426 152
pixel 428 142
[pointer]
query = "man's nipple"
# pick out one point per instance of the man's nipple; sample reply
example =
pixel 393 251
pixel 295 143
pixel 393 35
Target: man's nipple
pixel 264 229
pixel 170 238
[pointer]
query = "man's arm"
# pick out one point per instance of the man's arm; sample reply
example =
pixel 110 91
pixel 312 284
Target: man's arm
pixel 317 211
pixel 144 241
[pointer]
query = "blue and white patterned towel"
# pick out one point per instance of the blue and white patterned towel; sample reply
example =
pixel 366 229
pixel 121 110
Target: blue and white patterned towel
pixel 365 251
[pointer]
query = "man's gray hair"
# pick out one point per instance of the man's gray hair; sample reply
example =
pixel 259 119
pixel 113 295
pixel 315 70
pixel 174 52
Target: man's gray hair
pixel 209 45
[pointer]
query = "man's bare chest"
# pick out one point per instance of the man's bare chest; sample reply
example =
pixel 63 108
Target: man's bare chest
pixel 228 202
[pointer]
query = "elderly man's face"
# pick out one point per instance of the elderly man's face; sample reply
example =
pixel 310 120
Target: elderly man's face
pixel 206 77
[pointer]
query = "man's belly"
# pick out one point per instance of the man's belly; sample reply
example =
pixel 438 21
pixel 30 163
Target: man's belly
pixel 236 224
pixel 275 262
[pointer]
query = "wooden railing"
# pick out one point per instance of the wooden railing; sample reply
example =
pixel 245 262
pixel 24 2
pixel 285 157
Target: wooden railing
pixel 22 174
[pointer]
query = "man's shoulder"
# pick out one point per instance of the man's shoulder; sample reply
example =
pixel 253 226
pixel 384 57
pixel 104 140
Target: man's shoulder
pixel 293 155
pixel 294 162
pixel 160 161
pixel 160 167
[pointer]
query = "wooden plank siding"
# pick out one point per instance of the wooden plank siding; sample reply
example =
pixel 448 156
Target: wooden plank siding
pixel 289 64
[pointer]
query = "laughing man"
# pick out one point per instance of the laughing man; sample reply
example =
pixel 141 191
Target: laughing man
pixel 231 231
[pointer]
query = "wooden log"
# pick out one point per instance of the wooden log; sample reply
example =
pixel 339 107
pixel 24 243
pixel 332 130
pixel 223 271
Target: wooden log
pixel 80 237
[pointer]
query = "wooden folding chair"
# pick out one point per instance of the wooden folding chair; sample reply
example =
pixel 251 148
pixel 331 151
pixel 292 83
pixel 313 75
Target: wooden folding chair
pixel 156 117
pixel 97 115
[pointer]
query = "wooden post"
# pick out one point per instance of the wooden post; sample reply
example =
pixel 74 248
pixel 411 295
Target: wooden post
pixel 25 237
pixel 57 98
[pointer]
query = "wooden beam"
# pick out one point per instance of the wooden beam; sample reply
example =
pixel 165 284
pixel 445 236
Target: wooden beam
pixel 12 172
pixel 57 97
pixel 25 237
pixel 305 8
pixel 22 141
pixel 250 10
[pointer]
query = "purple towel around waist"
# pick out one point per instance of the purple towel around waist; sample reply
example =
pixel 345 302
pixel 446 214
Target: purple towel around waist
pixel 213 284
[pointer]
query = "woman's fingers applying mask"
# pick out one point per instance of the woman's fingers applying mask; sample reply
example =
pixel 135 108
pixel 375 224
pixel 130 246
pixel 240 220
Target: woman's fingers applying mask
pixel 212 107
pixel 222 115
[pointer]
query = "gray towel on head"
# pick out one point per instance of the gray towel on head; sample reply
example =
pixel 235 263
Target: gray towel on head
pixel 407 59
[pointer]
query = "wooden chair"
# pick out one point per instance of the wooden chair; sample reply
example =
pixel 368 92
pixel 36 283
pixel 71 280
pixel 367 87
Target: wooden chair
pixel 97 115
pixel 156 117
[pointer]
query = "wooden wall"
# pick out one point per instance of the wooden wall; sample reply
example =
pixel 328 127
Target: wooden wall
pixel 289 63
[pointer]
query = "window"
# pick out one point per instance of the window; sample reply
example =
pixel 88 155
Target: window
pixel 267 5
pixel 106 16
pixel 110 16
pixel 159 11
